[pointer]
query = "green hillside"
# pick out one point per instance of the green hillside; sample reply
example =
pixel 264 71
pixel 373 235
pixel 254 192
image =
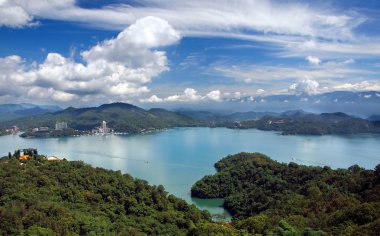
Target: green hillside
pixel 268 197
pixel 121 117
pixel 43 197
pixel 311 124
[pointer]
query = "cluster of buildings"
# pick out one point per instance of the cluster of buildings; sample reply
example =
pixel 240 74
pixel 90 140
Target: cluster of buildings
pixel 28 153
pixel 13 130
pixel 61 126
pixel 58 126
pixel 277 121
pixel 41 129
pixel 102 129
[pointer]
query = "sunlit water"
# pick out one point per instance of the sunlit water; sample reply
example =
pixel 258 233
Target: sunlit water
pixel 177 158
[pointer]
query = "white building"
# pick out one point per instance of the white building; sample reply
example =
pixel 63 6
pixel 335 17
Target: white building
pixel 103 129
pixel 60 125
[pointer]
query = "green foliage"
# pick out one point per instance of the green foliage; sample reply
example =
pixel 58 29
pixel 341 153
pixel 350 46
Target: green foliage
pixel 73 198
pixel 3 132
pixel 214 229
pixel 53 133
pixel 267 197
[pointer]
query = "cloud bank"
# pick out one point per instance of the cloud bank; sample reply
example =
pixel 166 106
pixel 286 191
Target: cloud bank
pixel 114 70
pixel 315 29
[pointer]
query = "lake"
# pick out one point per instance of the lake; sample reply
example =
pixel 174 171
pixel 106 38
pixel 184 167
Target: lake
pixel 177 158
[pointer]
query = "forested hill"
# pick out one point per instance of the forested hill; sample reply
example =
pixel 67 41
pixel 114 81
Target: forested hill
pixel 121 117
pixel 312 124
pixel 40 197
pixel 265 196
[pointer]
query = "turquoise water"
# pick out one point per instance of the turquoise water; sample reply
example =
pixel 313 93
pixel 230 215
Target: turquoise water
pixel 177 158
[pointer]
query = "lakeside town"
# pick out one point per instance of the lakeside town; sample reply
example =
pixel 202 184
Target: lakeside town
pixel 62 129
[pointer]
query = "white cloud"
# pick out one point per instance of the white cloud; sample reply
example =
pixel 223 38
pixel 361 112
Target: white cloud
pixel 260 91
pixel 196 17
pixel 316 30
pixel 313 60
pixel 152 99
pixel 214 95
pixel 306 86
pixel 360 86
pixel 188 95
pixel 131 46
pixel 349 61
pixel 116 69
pixel 273 75
pixel 237 95
pixel 13 15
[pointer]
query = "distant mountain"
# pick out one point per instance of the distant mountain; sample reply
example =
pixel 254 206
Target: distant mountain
pixel 121 117
pixel 236 116
pixel 13 111
pixel 361 104
pixel 312 124
pixel 202 115
pixel 374 118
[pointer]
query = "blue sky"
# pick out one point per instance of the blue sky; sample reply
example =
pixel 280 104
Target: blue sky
pixel 154 53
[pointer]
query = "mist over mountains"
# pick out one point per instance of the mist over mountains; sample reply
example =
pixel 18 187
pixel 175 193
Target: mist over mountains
pixel 13 111
pixel 361 104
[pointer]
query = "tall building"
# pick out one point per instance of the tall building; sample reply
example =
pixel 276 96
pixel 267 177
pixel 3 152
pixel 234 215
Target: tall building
pixel 104 127
pixel 60 125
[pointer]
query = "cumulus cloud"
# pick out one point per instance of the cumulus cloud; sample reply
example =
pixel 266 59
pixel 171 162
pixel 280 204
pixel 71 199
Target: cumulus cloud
pixel 313 60
pixel 188 95
pixel 116 69
pixel 359 86
pixel 131 46
pixel 214 95
pixel 13 15
pixel 305 87
pixel 260 91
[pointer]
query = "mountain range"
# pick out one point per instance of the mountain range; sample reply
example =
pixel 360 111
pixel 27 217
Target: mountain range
pixel 122 117
pixel 13 111
pixel 362 104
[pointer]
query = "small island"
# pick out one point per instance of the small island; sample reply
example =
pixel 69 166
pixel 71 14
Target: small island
pixel 267 197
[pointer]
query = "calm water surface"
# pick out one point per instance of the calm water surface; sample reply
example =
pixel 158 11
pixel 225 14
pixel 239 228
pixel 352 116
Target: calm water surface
pixel 177 158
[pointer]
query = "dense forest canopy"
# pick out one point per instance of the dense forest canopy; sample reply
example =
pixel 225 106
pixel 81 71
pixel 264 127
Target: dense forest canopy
pixel 38 197
pixel 265 196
